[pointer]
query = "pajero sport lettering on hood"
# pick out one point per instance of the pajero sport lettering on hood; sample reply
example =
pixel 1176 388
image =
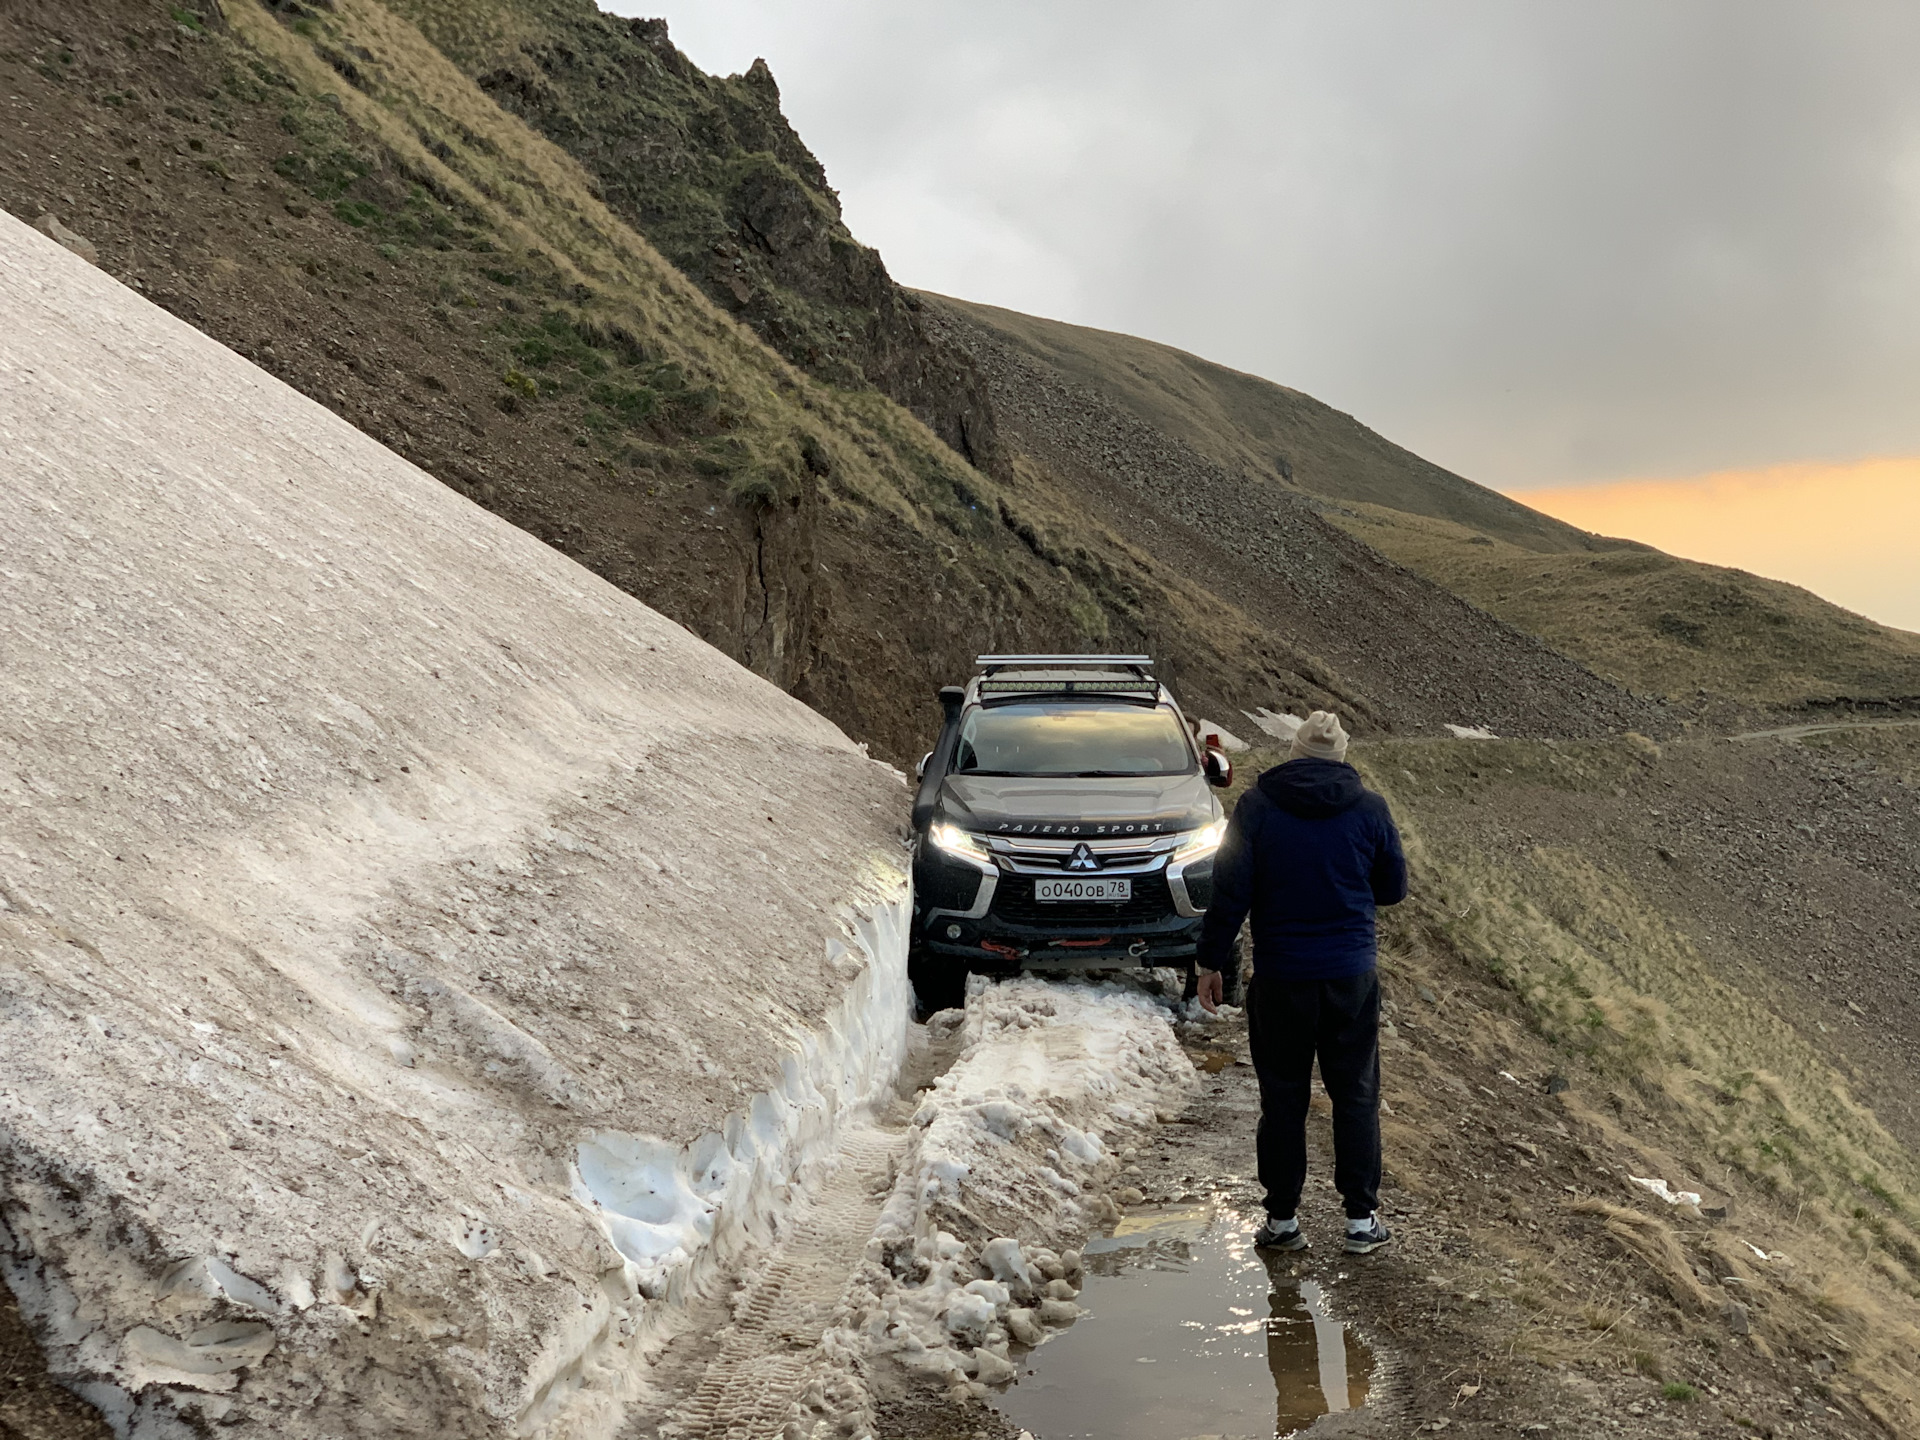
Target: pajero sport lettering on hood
pixel 1065 820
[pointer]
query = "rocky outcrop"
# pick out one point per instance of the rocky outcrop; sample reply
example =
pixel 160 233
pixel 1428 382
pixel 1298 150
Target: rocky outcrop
pixel 417 958
pixel 711 172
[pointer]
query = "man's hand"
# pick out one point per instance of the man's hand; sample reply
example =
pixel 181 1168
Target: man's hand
pixel 1211 987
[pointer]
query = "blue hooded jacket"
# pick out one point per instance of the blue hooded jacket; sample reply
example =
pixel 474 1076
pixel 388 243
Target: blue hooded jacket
pixel 1310 852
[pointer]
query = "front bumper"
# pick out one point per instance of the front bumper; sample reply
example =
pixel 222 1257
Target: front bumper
pixel 986 915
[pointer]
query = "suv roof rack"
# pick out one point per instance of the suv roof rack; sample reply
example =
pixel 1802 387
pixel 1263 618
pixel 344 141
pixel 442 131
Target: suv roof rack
pixel 1068 675
pixel 1138 664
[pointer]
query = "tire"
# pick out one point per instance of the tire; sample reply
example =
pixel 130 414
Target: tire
pixel 938 983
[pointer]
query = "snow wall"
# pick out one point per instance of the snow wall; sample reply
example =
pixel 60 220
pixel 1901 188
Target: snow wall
pixel 419 960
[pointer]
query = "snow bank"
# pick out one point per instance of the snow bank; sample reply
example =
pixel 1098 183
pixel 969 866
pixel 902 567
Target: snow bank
pixel 1018 1145
pixel 417 958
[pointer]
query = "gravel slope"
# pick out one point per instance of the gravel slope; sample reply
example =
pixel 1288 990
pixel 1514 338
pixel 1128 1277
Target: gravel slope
pixel 1407 654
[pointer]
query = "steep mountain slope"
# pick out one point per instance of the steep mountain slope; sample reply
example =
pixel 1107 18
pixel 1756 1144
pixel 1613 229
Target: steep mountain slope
pixel 1263 433
pixel 435 273
pixel 1654 623
pixel 1706 939
pixel 328 193
pixel 1424 652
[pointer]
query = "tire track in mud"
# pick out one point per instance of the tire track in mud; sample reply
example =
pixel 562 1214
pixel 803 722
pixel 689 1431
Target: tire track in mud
pixel 769 1352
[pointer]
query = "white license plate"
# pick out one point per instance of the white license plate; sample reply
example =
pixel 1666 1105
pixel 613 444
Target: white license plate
pixel 1111 888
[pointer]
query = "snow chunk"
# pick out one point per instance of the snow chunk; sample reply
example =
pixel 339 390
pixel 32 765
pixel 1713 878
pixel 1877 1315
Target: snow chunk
pixel 1470 732
pixel 969 1314
pixel 1283 726
pixel 1658 1187
pixel 1047 1071
pixel 1003 1258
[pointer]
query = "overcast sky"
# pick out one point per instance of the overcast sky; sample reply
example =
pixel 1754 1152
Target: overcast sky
pixel 1541 243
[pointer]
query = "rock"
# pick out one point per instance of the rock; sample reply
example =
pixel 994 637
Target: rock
pixel 1558 1085
pixel 1735 1315
pixel 1061 1290
pixel 49 225
pixel 1426 993
pixel 1128 1195
pixel 1070 1260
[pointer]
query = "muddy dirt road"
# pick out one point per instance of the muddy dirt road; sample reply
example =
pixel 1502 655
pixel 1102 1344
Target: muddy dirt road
pixel 1516 1297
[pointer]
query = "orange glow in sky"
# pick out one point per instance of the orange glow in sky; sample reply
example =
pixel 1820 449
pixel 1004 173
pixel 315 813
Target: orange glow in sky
pixel 1849 533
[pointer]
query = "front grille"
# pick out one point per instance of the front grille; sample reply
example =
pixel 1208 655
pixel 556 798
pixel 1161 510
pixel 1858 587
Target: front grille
pixel 1110 859
pixel 1014 903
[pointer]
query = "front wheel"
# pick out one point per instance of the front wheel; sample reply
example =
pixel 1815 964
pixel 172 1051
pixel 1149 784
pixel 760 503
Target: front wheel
pixel 939 982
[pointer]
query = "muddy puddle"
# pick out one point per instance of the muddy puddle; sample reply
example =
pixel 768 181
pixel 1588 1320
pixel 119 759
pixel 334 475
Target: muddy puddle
pixel 1190 1332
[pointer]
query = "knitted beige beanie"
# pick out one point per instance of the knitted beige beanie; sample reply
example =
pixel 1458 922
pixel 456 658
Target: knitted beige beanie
pixel 1320 738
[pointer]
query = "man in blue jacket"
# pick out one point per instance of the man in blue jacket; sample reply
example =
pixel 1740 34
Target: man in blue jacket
pixel 1310 852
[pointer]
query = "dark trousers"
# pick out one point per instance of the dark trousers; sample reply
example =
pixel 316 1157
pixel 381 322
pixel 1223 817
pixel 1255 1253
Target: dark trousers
pixel 1289 1022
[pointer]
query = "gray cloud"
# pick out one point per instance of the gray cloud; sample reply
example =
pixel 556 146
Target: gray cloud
pixel 1538 241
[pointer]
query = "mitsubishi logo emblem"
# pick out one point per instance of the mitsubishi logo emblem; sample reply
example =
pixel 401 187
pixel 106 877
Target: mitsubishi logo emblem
pixel 1083 858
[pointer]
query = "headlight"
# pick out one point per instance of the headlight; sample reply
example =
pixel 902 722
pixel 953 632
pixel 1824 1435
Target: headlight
pixel 1202 842
pixel 955 841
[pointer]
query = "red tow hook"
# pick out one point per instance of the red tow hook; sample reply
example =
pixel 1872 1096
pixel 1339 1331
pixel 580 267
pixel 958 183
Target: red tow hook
pixel 1084 944
pixel 1010 951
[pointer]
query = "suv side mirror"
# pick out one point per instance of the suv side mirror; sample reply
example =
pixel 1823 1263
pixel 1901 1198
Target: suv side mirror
pixel 920 770
pixel 1218 767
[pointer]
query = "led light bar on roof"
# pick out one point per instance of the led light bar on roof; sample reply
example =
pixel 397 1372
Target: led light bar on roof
pixel 1106 685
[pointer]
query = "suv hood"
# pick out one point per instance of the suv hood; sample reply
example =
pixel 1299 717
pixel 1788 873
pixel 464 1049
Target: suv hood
pixel 1020 805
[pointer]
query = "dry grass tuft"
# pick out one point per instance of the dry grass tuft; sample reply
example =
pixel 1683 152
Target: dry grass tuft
pixel 1654 1242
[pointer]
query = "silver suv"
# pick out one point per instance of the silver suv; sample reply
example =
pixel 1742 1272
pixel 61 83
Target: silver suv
pixel 1065 820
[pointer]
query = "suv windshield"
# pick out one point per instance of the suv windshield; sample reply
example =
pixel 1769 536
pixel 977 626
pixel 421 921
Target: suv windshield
pixel 1066 737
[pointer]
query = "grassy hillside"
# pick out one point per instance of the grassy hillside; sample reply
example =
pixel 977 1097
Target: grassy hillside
pixel 1725 996
pixel 1623 958
pixel 1658 624
pixel 332 194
